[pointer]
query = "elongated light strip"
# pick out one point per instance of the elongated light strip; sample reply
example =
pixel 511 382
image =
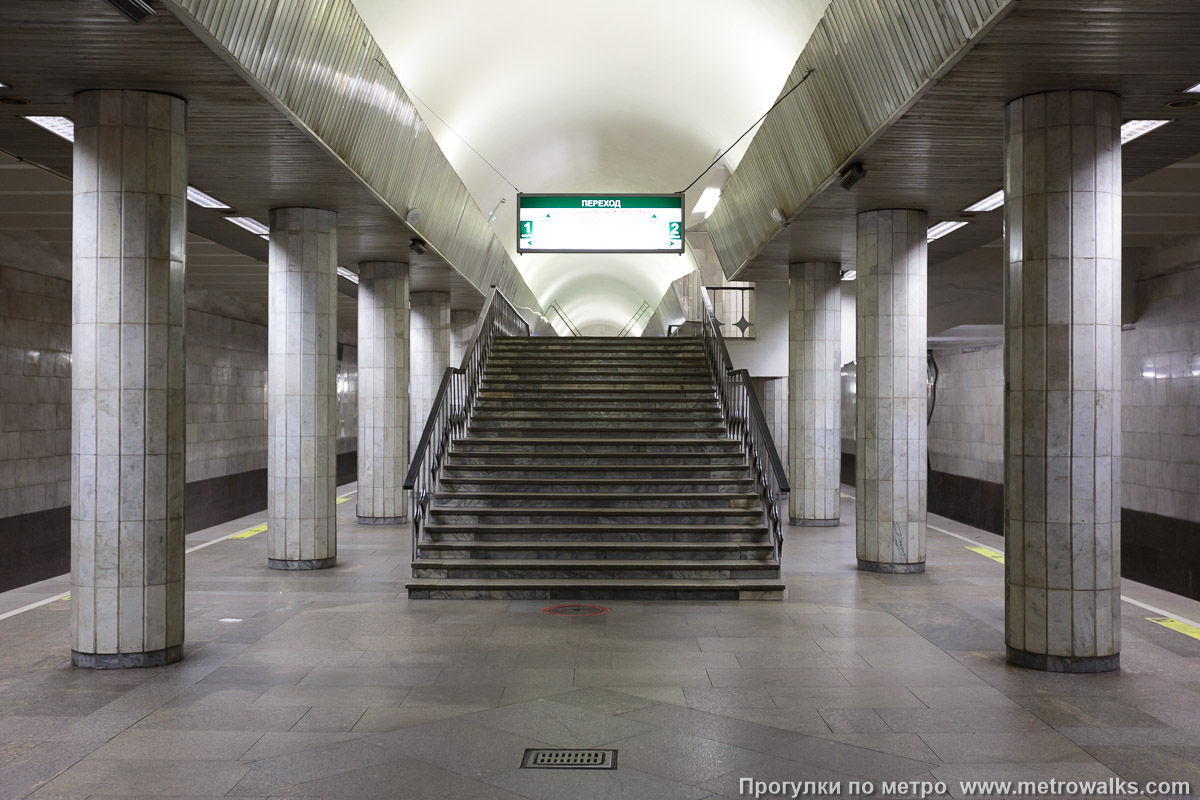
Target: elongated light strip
pixel 1192 89
pixel 849 274
pixel 347 274
pixel 204 200
pixel 59 126
pixel 943 228
pixel 1140 127
pixel 252 225
pixel 707 202
pixel 4 85
pixel 989 203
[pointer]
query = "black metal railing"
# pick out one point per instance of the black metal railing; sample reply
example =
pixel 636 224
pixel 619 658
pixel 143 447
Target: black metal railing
pixel 558 309
pixel 642 311
pixel 451 410
pixel 745 420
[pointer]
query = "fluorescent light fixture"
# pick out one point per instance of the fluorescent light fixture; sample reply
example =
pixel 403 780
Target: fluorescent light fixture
pixel 204 200
pixel 4 85
pixel 849 274
pixel 707 202
pixel 943 228
pixel 60 126
pixel 989 203
pixel 347 274
pixel 1140 127
pixel 1192 89
pixel 252 225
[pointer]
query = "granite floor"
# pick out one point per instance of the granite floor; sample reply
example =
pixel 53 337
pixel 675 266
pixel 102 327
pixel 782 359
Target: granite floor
pixel 333 685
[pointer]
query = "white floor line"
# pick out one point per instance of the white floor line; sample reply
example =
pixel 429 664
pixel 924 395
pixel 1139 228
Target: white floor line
pixel 57 597
pixel 1145 606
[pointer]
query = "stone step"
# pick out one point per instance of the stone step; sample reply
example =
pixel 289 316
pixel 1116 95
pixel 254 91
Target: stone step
pixel 568 361
pixel 611 404
pixel 595 532
pixel 596 589
pixel 579 375
pixel 594 499
pixel 610 386
pixel 537 515
pixel 678 464
pixel 625 446
pixel 523 473
pixel 577 344
pixel 616 485
pixel 564 397
pixel 556 568
pixel 541 549
pixel 596 417
pixel 526 429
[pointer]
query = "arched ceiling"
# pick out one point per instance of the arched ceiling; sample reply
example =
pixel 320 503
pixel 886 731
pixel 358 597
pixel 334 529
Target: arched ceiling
pixel 622 96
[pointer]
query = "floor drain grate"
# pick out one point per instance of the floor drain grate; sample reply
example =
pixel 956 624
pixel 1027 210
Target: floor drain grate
pixel 569 759
pixel 576 610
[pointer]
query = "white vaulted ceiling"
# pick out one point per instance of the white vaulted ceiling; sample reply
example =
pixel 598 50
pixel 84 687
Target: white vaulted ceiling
pixel 621 96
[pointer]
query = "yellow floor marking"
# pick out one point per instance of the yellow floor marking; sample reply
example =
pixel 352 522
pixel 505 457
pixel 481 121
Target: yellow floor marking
pixel 341 500
pixel 246 534
pixel 1176 625
pixel 987 551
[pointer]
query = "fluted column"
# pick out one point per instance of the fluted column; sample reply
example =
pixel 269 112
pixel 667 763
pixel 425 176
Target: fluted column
pixel 302 389
pixel 127 379
pixel 429 339
pixel 891 463
pixel 382 391
pixel 815 393
pixel 1062 361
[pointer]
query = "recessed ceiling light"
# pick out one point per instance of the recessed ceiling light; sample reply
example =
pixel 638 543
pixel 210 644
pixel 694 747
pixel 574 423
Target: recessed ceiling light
pixel 989 203
pixel 1140 127
pixel 1189 103
pixel 1195 89
pixel 943 228
pixel 252 225
pixel 849 274
pixel 347 274
pixel 707 202
pixel 204 200
pixel 60 126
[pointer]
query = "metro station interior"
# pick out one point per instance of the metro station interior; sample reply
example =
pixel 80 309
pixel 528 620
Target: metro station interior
pixel 365 432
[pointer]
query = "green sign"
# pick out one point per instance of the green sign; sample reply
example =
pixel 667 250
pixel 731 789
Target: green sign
pixel 600 223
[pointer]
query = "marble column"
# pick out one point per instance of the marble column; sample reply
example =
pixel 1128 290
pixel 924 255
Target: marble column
pixel 1062 356
pixel 382 392
pixel 814 393
pixel 128 469
pixel 462 328
pixel 429 339
pixel 302 389
pixel 891 460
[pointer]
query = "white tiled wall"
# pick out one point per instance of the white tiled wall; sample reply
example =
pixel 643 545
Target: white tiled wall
pixel 35 392
pixel 1160 398
pixel 966 435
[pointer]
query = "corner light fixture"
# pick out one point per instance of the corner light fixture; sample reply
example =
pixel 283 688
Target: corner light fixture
pixel 778 215
pixel 989 203
pixel 204 200
pixel 59 126
pixel 942 228
pixel 252 225
pixel 133 10
pixel 417 246
pixel 348 275
pixel 1140 127
pixel 849 274
pixel 707 202
pixel 851 175
pixel 1195 89
pixel 3 85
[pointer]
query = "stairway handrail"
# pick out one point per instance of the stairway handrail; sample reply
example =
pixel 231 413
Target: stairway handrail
pixel 557 308
pixel 637 315
pixel 452 405
pixel 744 419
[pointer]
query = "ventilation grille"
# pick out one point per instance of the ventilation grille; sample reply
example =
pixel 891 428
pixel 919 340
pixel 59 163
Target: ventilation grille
pixel 569 759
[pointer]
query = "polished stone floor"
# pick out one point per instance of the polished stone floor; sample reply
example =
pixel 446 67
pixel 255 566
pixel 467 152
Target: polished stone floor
pixel 334 685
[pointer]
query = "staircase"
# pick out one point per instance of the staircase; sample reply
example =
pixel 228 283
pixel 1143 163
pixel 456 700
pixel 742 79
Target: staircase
pixel 596 469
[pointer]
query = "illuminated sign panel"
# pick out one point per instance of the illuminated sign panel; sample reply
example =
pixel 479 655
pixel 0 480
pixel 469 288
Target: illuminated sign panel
pixel 599 223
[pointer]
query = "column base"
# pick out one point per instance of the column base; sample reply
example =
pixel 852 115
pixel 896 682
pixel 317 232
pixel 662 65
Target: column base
pixel 895 569
pixel 307 563
pixel 153 658
pixel 816 523
pixel 1075 664
pixel 382 520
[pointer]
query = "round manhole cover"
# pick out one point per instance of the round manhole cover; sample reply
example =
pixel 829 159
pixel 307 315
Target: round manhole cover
pixel 576 610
